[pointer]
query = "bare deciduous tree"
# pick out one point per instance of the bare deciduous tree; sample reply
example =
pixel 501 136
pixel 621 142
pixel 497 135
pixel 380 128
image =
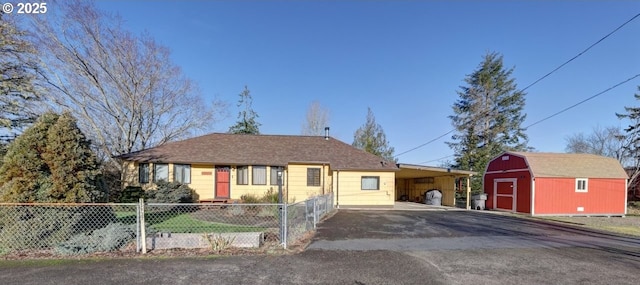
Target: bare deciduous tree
pixel 124 89
pixel 317 119
pixel 608 141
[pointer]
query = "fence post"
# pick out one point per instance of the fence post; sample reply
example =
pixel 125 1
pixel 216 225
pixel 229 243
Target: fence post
pixel 315 212
pixel 143 231
pixel 138 244
pixel 284 226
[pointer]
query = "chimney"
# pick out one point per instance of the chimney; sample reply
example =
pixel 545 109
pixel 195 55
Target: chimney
pixel 326 133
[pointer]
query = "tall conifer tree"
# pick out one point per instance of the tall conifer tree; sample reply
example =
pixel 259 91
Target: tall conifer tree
pixel 370 137
pixel 487 117
pixel 247 123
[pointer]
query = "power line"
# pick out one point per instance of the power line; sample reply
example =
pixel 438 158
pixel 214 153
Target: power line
pixel 437 159
pixel 557 113
pixel 545 76
pixel 584 51
pixel 417 147
pixel 583 101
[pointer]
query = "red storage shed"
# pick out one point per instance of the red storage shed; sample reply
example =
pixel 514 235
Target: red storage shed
pixel 556 184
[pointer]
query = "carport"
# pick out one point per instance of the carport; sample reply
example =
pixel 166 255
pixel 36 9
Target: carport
pixel 413 180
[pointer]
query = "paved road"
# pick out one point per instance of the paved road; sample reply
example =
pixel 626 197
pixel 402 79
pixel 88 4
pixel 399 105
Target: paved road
pixel 386 247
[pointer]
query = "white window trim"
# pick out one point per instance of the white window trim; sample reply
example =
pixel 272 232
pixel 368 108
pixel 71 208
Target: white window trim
pixel 362 183
pixel 586 185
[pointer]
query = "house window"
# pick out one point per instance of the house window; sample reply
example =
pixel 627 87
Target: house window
pixel 243 175
pixel 143 173
pixel 582 185
pixel 313 176
pixel 160 172
pixel 370 182
pixel 274 174
pixel 182 173
pixel 259 175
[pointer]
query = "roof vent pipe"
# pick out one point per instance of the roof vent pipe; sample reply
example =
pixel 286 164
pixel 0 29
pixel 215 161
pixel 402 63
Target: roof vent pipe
pixel 326 133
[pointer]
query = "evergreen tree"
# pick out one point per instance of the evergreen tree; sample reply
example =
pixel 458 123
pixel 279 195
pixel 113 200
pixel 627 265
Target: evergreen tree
pixel 73 166
pixel 17 73
pixel 50 162
pixel 631 141
pixel 246 123
pixel 24 175
pixel 487 117
pixel 371 138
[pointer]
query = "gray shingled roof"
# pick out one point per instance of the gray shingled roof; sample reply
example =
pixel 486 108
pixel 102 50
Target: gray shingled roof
pixel 579 165
pixel 278 150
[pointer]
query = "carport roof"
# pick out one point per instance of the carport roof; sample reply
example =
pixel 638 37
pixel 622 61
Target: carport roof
pixel 416 171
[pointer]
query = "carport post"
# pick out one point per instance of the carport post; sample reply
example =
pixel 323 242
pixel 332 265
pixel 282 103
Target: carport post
pixel 468 192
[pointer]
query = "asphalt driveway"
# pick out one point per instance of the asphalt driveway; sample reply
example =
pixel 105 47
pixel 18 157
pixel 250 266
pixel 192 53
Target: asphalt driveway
pixel 385 247
pixel 452 230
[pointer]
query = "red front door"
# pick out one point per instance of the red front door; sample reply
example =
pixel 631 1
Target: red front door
pixel 222 182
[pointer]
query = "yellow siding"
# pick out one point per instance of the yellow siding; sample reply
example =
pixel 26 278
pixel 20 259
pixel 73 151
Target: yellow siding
pixel 297 181
pixel 348 189
pixel 415 191
pixel 202 177
pixel 129 174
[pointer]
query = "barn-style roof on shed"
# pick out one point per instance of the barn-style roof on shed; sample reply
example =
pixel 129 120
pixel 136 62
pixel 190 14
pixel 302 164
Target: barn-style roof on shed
pixel 277 150
pixel 577 165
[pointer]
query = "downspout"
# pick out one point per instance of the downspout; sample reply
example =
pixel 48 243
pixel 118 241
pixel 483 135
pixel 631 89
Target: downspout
pixel 533 196
pixel 323 180
pixel 337 189
pixel 626 195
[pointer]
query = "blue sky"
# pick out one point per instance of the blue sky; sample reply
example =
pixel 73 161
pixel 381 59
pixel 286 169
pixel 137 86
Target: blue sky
pixel 403 59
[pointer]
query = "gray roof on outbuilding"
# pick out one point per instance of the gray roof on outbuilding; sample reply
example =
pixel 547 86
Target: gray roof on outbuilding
pixel 578 165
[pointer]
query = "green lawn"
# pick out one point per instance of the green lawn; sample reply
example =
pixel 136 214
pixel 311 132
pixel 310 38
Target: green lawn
pixel 184 223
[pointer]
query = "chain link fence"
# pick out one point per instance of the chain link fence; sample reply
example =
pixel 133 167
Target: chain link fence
pixel 303 217
pixel 67 228
pixel 87 228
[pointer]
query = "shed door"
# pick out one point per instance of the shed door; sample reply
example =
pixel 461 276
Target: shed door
pixel 505 194
pixel 222 182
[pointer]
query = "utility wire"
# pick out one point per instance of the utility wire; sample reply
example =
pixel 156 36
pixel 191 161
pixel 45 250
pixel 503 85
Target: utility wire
pixel 550 116
pixel 584 51
pixel 437 159
pixel 417 147
pixel 581 102
pixel 545 76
